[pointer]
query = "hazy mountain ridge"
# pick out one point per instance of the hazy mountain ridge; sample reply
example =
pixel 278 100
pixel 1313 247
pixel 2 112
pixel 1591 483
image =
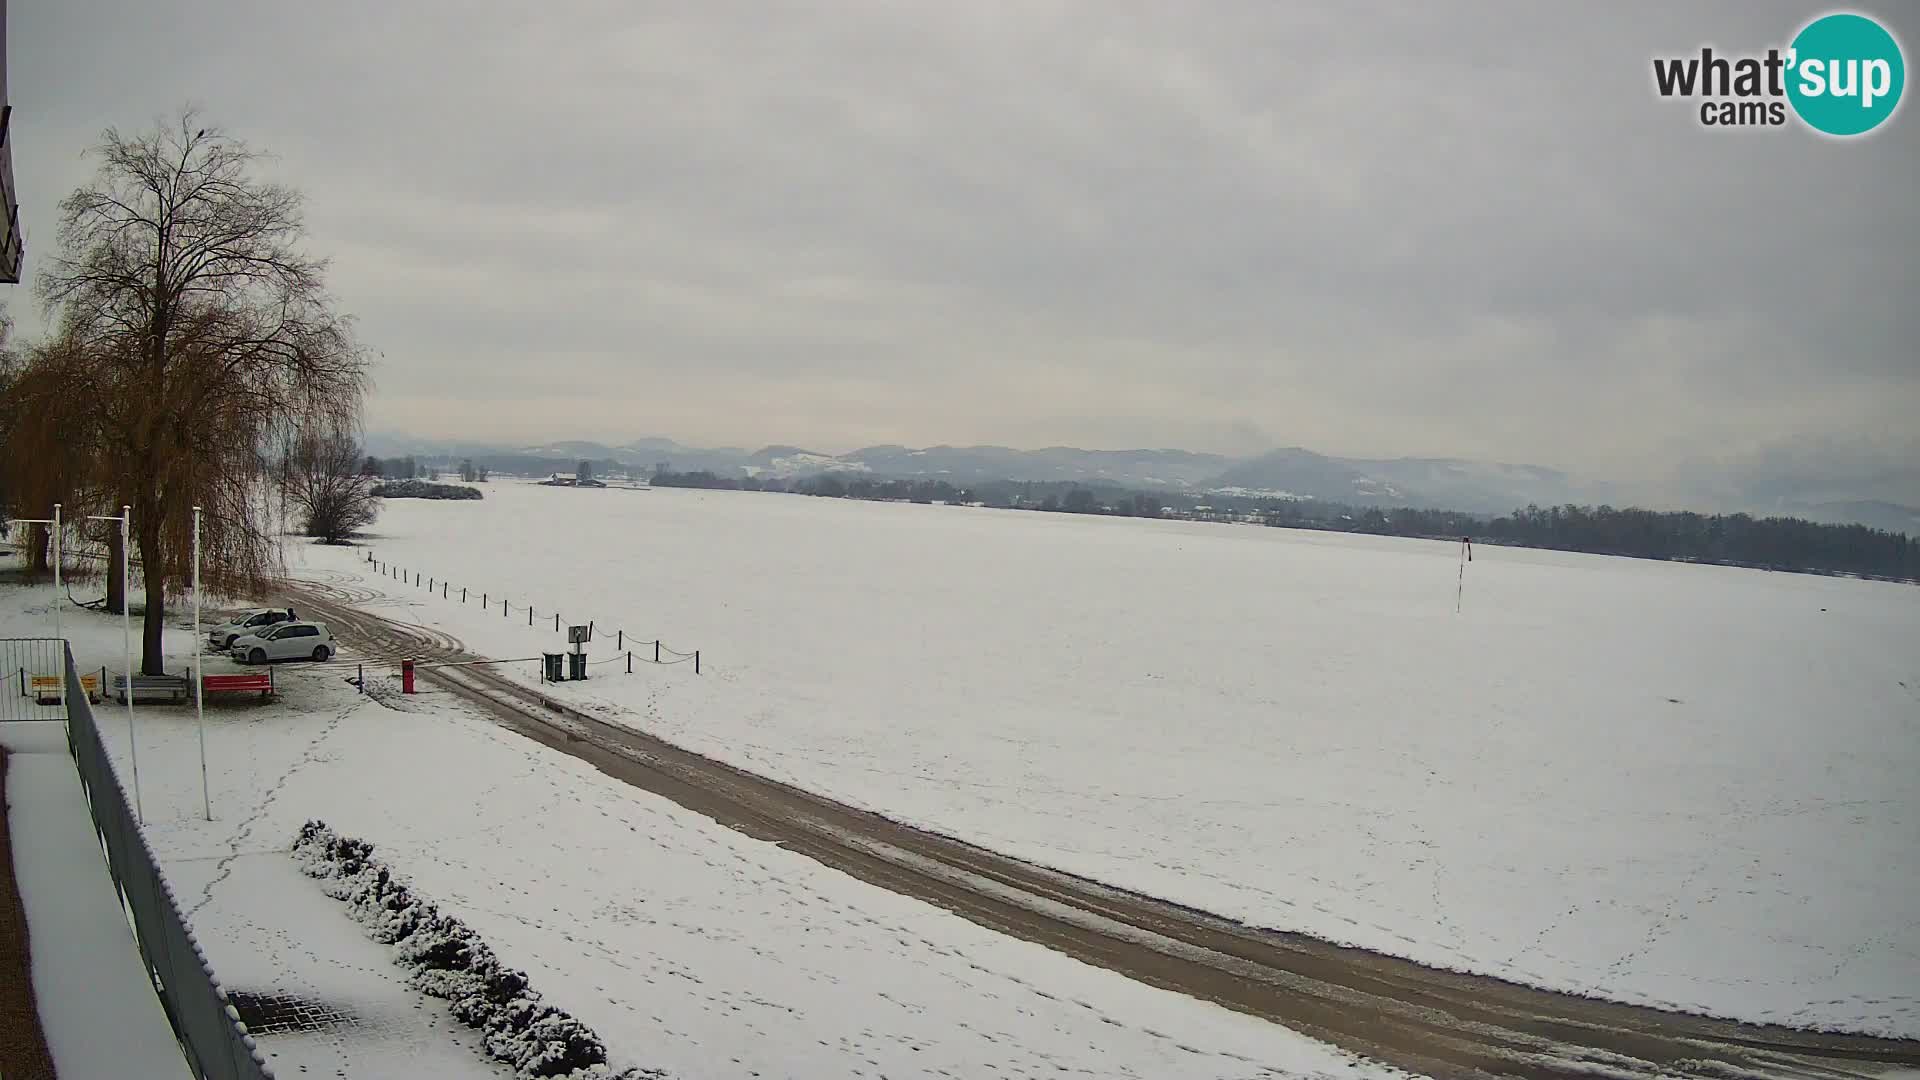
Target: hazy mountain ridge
pixel 1290 472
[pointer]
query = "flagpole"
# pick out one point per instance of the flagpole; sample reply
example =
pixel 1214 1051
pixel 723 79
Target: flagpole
pixel 126 636
pixel 199 683
pixel 59 594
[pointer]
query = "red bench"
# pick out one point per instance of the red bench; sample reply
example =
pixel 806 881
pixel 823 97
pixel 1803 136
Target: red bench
pixel 248 682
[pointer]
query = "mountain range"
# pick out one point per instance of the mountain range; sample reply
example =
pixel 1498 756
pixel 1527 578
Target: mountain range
pixel 1449 483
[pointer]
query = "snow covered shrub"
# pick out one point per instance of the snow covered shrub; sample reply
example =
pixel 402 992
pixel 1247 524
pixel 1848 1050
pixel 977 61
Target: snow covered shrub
pixel 444 958
pixel 497 990
pixel 541 1041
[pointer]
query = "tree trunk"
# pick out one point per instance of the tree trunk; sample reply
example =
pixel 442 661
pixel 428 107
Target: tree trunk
pixel 153 659
pixel 116 577
pixel 39 542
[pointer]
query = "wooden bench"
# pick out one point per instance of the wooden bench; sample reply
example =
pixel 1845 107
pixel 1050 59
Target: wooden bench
pixel 246 682
pixel 46 688
pixel 170 687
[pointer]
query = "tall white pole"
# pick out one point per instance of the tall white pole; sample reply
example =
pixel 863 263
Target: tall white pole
pixel 199 684
pixel 59 601
pixel 58 593
pixel 53 542
pixel 126 635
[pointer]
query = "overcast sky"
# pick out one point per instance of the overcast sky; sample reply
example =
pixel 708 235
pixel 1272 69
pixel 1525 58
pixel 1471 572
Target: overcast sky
pixel 1428 229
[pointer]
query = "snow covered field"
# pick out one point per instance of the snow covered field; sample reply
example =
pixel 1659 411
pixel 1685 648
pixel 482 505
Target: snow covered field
pixel 686 945
pixel 1674 785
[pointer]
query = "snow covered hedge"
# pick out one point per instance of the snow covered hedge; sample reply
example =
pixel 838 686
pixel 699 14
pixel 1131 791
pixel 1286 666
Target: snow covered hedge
pixel 447 960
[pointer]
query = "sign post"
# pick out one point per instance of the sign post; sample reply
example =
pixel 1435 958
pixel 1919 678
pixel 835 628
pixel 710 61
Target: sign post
pixel 578 636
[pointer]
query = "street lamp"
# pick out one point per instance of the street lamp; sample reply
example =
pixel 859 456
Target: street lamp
pixel 53 530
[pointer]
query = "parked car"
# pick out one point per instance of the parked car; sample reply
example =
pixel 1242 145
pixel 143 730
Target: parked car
pixel 247 622
pixel 288 641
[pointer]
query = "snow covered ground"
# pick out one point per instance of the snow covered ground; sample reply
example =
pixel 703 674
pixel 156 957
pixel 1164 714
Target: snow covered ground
pixel 686 945
pixel 1675 785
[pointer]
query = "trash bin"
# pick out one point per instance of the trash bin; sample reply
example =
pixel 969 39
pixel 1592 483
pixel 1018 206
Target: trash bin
pixel 576 665
pixel 550 666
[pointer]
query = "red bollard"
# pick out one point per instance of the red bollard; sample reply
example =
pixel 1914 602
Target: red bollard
pixel 406 676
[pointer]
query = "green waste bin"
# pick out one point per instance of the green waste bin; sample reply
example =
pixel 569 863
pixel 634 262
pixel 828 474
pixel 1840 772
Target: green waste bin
pixel 550 666
pixel 576 665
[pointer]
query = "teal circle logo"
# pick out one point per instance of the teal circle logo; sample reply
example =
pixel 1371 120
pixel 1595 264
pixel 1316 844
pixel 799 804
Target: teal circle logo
pixel 1845 74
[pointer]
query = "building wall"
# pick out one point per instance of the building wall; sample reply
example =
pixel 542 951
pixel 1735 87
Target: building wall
pixel 12 244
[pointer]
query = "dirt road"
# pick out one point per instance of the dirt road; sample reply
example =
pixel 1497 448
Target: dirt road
pixel 1421 1019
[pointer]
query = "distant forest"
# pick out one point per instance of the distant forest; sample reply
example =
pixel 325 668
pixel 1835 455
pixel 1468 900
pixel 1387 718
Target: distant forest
pixel 1772 543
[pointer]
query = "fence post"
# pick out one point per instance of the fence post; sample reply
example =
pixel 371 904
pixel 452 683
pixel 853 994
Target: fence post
pixel 656 650
pixel 463 594
pixel 529 614
pixel 429 582
pixel 629 663
pixel 696 661
pixel 556 622
pixel 443 590
pixel 361 682
pixel 619 639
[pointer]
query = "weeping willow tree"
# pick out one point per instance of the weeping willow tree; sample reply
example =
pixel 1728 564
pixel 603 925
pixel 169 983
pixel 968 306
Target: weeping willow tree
pixel 49 443
pixel 199 335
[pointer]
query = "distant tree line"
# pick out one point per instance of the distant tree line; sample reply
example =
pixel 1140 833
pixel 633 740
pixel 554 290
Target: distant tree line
pixel 394 468
pixel 1775 543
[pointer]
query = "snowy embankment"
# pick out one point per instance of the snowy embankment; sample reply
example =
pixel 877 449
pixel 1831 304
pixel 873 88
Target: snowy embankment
pixel 688 946
pixel 1674 785
pixel 447 960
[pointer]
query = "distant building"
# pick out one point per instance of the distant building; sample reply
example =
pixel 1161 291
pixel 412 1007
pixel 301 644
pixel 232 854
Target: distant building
pixel 567 479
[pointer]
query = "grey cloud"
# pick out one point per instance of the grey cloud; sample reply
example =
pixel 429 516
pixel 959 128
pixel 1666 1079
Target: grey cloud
pixel 1418 229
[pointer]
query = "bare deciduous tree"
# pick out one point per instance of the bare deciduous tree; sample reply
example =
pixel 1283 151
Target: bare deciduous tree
pixel 325 483
pixel 206 335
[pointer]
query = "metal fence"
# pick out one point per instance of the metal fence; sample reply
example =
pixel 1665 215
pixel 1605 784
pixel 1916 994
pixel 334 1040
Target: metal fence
pixel 33 671
pixel 215 1042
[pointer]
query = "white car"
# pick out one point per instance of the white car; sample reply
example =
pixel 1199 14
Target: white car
pixel 288 641
pixel 247 622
